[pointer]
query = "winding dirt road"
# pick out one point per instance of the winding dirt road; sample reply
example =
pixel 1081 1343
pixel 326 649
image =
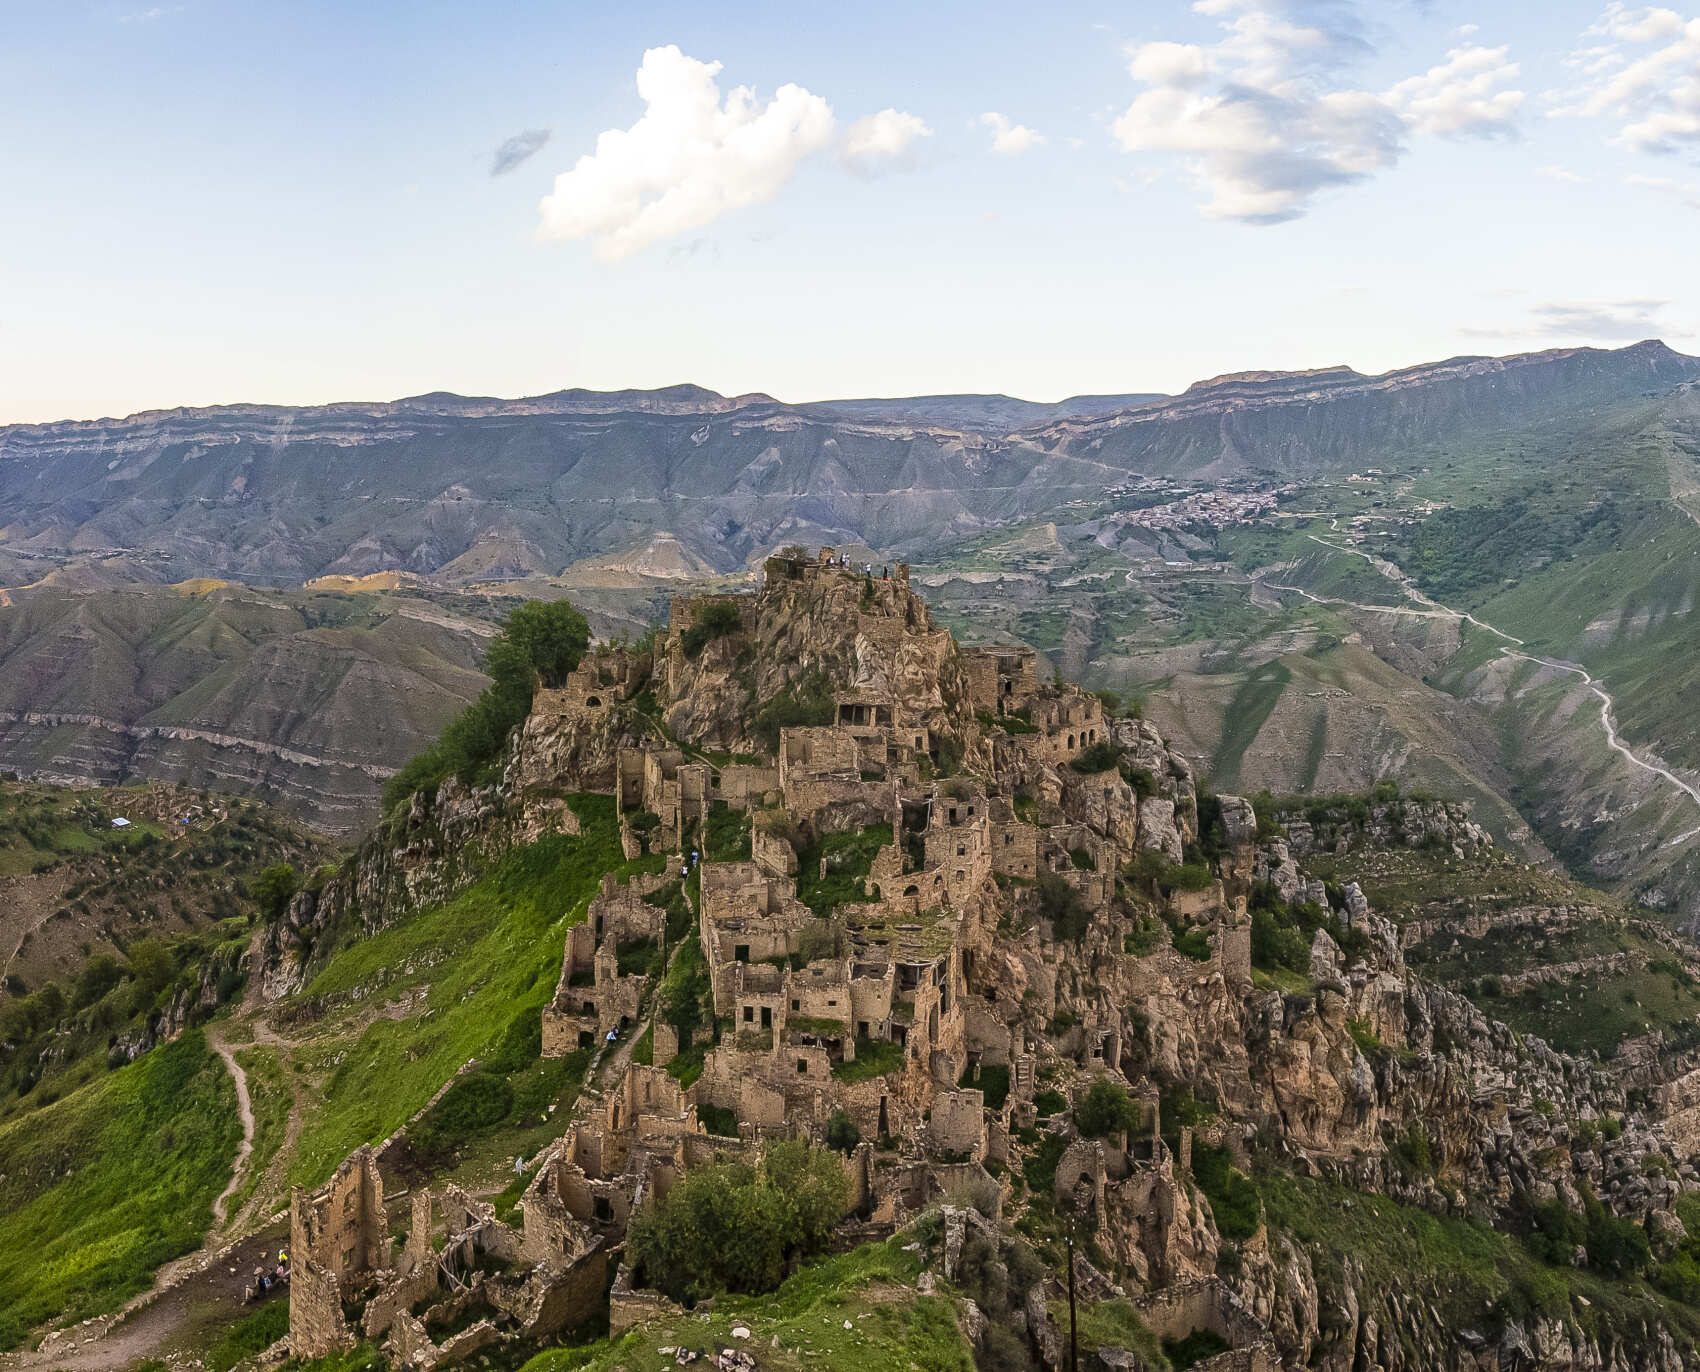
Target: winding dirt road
pixel 244 1108
pixel 1425 607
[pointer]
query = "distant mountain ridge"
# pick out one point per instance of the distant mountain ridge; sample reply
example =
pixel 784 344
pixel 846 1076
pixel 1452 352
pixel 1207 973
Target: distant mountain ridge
pixel 995 413
pixel 466 489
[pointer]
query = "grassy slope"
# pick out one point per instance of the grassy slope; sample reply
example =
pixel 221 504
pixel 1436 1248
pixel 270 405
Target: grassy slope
pixel 1645 640
pixel 1591 1011
pixel 102 1187
pixel 891 1328
pixel 484 958
pixel 1474 1273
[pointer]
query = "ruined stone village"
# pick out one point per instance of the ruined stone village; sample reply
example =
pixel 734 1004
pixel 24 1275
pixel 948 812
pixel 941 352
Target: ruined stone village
pixel 969 778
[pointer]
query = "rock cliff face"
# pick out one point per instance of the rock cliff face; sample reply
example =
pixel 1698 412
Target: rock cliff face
pixel 834 632
pixel 434 847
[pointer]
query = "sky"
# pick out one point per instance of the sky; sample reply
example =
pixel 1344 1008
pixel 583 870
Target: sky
pixel 223 201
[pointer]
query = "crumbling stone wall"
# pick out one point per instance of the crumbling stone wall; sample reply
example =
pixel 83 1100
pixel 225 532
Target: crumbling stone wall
pixel 1000 678
pixel 774 855
pixel 1185 1308
pixel 958 1123
pixel 744 785
pixel 335 1235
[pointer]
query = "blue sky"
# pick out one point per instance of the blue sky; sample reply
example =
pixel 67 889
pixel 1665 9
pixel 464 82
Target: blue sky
pixel 224 200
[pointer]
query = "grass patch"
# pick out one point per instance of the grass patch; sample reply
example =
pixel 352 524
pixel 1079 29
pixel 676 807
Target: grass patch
pixel 250 1335
pixel 848 858
pixel 726 835
pixel 102 1187
pixel 1039 1168
pixel 269 1094
pixel 891 1328
pixel 993 1083
pixel 874 1058
pixel 491 956
pixel 1112 1324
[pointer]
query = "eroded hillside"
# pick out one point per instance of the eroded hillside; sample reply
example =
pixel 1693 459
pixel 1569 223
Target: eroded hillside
pixel 901 947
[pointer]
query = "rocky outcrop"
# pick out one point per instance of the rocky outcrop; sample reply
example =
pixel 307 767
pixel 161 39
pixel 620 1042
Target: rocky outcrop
pixel 826 632
pixel 221 977
pixel 440 843
pixel 1347 828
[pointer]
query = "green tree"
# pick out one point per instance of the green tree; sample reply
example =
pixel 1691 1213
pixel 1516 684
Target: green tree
pixel 273 889
pixel 842 1133
pixel 540 641
pixel 1106 1109
pixel 1062 905
pixel 99 975
pixel 733 1227
pixel 549 634
pixel 151 965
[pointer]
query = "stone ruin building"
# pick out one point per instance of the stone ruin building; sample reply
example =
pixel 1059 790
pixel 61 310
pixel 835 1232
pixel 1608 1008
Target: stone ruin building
pixel 912 969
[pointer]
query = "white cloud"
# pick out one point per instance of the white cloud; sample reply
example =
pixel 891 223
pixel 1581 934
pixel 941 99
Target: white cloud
pixel 1587 321
pixel 1008 138
pixel 1461 96
pixel 1467 30
pixel 689 159
pixel 1169 64
pixel 881 140
pixel 1686 191
pixel 1554 172
pixel 1267 120
pixel 1612 320
pixel 1644 76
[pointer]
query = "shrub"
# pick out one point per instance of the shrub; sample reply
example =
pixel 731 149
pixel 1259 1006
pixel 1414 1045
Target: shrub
pixel 1233 1196
pixel 1039 1168
pixel 1140 778
pixel 1049 1102
pixel 99 975
pixel 1061 904
pixel 805 701
pixel 842 1135
pixel 273 889
pixel 1275 945
pixel 1100 757
pixel 1616 1246
pixel 1106 1109
pixel 733 1227
pixel 715 620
